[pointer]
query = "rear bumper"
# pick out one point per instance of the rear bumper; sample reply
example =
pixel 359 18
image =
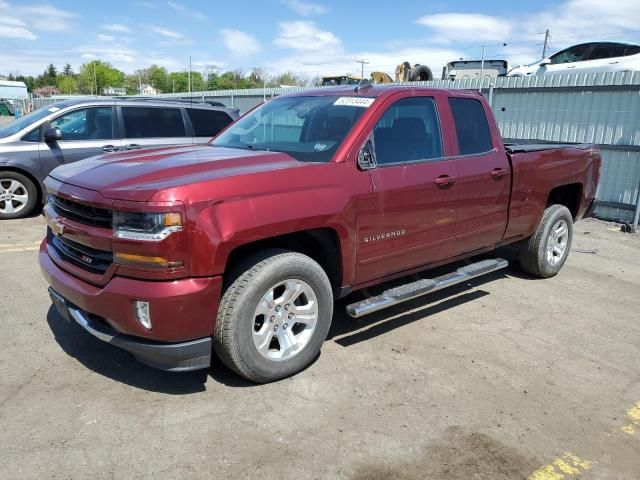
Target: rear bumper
pixel 175 357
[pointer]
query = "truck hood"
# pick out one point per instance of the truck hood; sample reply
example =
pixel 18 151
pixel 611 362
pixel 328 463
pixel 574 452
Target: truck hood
pixel 139 175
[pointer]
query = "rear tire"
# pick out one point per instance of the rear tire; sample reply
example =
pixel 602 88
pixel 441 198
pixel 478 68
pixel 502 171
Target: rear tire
pixel 18 195
pixel 274 316
pixel 545 252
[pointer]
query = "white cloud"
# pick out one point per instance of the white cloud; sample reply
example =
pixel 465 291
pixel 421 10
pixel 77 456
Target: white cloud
pixel 167 33
pixel 305 36
pixel 466 27
pixel 15 22
pixel 187 12
pixel 110 54
pixel 305 8
pixel 45 17
pixel 240 43
pixel 8 31
pixel 116 27
pixel 105 38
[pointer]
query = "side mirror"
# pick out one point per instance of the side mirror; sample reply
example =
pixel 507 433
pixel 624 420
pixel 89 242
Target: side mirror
pixel 52 135
pixel 367 157
pixel 545 62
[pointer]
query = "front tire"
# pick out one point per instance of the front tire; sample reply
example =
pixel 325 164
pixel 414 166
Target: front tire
pixel 545 252
pixel 274 316
pixel 18 195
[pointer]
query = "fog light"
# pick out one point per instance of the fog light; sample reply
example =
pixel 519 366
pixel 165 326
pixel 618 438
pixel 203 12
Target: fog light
pixel 142 313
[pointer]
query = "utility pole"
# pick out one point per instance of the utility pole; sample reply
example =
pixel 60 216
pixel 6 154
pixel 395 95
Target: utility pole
pixel 482 63
pixel 189 73
pixel 95 81
pixel 547 36
pixel 362 64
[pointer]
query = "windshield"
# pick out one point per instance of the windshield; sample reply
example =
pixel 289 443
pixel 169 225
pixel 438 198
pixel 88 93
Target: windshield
pixel 310 129
pixel 23 122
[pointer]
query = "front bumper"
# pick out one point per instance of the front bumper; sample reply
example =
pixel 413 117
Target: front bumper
pixel 183 314
pixel 175 357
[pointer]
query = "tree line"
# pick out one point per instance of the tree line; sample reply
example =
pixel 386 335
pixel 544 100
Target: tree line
pixel 94 77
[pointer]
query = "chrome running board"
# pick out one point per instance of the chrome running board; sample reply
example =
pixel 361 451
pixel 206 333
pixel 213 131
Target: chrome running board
pixel 400 294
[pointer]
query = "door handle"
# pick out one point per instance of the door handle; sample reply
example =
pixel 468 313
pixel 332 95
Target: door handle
pixel 132 146
pixel 499 172
pixel 444 180
pixel 109 148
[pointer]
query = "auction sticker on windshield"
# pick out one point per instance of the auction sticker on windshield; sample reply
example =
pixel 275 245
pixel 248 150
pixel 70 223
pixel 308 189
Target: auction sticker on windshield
pixel 354 102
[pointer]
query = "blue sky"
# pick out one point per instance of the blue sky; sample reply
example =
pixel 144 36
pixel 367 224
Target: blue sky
pixel 314 37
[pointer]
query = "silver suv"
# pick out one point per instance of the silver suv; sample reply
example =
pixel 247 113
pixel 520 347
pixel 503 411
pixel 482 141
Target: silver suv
pixel 68 131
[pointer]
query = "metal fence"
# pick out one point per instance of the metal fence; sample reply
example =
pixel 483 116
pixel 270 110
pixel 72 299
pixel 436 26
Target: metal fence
pixel 601 108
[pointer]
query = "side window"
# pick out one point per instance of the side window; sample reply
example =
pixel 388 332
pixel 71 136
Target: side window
pixel 631 50
pixel 472 127
pixel 570 55
pixel 149 122
pixel 85 124
pixel 607 50
pixel 207 123
pixel 408 131
pixel 32 136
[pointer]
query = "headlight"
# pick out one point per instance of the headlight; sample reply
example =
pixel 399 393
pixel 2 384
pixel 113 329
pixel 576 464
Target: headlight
pixel 151 227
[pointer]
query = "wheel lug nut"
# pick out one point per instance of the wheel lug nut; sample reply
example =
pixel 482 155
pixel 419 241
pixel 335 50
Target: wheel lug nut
pixel 278 308
pixel 272 319
pixel 290 316
pixel 285 326
pixel 286 307
pixel 275 328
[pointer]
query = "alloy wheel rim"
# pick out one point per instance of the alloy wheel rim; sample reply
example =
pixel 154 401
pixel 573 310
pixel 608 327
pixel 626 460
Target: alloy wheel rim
pixel 13 195
pixel 285 319
pixel 557 242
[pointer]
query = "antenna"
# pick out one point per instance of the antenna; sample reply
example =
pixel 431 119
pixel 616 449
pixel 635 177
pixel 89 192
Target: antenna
pixel 362 64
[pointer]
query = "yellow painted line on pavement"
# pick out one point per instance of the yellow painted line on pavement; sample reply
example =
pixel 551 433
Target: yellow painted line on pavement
pixel 25 249
pixel 634 415
pixel 566 466
pixel 13 245
pixel 19 247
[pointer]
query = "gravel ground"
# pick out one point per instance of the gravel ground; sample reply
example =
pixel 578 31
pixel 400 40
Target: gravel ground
pixel 507 377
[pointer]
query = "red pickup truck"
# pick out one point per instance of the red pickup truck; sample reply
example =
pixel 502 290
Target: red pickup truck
pixel 241 247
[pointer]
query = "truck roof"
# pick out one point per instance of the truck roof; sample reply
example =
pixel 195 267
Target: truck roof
pixel 376 91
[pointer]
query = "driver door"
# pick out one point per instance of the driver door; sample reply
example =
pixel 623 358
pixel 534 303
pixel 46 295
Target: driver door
pixel 409 218
pixel 85 132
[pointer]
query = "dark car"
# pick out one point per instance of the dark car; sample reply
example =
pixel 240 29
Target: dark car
pixel 64 132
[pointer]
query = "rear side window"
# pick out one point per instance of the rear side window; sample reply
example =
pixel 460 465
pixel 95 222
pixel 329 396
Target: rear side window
pixel 147 122
pixel 472 127
pixel 207 123
pixel 607 50
pixel 408 132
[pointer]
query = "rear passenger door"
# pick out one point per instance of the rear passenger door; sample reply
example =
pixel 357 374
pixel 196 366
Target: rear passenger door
pixel 207 123
pixel 484 177
pixel 152 127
